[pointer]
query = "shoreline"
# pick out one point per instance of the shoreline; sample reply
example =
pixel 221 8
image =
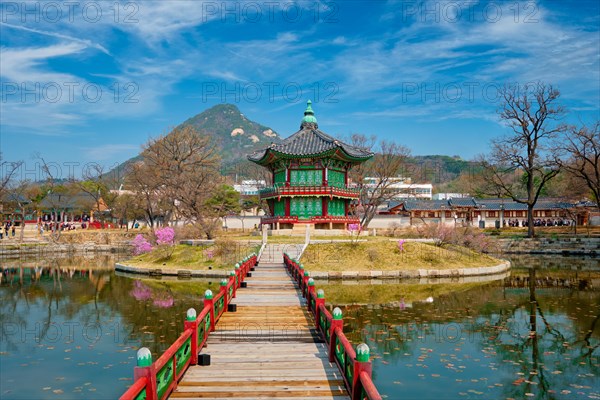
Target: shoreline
pixel 455 273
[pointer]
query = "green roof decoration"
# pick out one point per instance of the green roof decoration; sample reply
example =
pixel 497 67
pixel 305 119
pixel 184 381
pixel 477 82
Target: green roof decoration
pixel 309 114
pixel 311 142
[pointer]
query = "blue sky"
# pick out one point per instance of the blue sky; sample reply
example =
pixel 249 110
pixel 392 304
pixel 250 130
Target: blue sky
pixel 92 81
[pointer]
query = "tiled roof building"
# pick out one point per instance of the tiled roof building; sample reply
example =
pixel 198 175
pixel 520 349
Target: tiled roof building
pixel 310 178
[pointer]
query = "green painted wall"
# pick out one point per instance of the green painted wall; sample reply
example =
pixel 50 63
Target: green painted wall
pixel 307 177
pixel 306 207
pixel 280 177
pixel 336 207
pixel 279 208
pixel 336 179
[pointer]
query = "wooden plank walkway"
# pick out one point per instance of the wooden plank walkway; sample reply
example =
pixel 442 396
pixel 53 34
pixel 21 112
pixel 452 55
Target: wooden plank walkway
pixel 269 348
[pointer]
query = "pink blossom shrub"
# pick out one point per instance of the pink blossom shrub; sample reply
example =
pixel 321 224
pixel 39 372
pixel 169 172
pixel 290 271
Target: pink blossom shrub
pixel 401 245
pixel 165 235
pixel 141 245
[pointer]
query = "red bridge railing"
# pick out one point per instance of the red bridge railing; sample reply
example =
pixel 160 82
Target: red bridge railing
pixel 354 364
pixel 157 380
pixel 308 190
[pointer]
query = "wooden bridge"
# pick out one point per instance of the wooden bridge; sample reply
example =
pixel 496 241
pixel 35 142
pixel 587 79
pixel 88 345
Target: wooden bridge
pixel 275 338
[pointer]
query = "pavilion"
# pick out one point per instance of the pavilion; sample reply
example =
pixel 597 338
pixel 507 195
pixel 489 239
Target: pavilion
pixel 310 178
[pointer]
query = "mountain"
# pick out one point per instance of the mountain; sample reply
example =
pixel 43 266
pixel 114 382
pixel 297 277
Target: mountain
pixel 235 135
pixel 438 169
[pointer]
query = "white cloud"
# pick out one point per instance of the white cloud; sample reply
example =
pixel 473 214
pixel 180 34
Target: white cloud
pixel 109 151
pixel 85 42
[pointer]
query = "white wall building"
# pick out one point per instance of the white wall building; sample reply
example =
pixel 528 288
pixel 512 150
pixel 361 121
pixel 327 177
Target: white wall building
pixel 403 188
pixel 249 187
pixel 448 196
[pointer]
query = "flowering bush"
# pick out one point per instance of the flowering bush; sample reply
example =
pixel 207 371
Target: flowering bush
pixel 141 245
pixel 165 235
pixel 354 230
pixel 209 254
pixel 401 245
pixel 466 237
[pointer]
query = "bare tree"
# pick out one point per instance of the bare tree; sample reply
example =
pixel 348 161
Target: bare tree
pixel 8 170
pixel 389 162
pixel 95 184
pixel 179 170
pixel 144 182
pixel 24 196
pixel 579 156
pixel 522 161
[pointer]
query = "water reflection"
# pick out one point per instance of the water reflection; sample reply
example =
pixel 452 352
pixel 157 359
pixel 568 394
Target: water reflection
pixel 72 326
pixel 73 332
pixel 535 334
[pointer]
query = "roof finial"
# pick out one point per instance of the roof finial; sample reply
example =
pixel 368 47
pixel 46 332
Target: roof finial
pixel 309 114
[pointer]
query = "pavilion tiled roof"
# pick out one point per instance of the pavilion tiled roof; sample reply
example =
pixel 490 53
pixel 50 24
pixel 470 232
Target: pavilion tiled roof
pixel 310 141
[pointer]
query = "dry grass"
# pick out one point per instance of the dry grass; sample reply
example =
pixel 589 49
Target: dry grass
pixel 385 256
pixel 339 294
pixel 215 257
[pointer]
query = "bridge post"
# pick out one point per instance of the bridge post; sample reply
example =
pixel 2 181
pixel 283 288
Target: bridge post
pixel 320 300
pixel 305 284
pixel 191 323
pixel 336 322
pixel 233 276
pixel 223 288
pixel 209 301
pixel 361 364
pixel 145 368
pixel 310 290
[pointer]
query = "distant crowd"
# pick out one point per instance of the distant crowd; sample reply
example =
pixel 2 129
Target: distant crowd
pixel 7 229
pixel 540 222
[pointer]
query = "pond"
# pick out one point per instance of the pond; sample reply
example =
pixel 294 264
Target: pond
pixel 70 329
pixel 535 334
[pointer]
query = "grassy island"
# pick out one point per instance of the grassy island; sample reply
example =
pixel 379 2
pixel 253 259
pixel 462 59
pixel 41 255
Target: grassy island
pixel 388 255
pixel 219 256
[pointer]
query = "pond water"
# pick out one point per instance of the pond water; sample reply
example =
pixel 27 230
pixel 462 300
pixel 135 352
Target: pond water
pixel 70 330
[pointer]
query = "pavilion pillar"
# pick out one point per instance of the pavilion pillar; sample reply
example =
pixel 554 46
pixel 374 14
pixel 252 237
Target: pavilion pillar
pixel 501 217
pixel 287 206
pixel 324 206
pixel 443 217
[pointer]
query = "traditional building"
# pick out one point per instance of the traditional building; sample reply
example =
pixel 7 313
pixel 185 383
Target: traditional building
pixel 310 178
pixel 490 212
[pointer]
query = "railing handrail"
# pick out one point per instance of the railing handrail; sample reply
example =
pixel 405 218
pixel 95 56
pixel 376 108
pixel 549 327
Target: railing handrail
pixel 134 390
pixel 145 377
pixel 172 349
pixel 356 373
pixel 369 386
pixel 282 188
